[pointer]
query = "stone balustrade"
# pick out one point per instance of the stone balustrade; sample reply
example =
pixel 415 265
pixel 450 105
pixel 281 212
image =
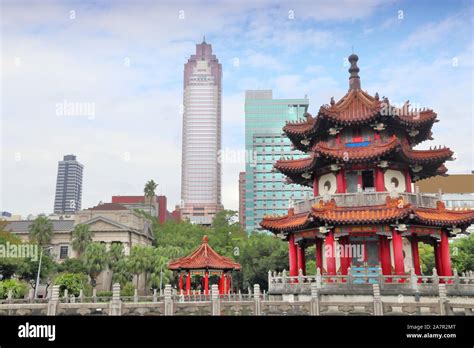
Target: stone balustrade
pixel 374 300
pixel 365 198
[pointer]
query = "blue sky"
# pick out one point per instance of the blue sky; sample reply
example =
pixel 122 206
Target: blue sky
pixel 127 59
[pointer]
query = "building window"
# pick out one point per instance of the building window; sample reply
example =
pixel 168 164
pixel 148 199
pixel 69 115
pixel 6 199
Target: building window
pixel 63 252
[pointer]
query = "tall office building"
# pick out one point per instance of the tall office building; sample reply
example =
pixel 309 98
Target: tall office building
pixel 265 190
pixel 201 170
pixel 242 199
pixel 68 186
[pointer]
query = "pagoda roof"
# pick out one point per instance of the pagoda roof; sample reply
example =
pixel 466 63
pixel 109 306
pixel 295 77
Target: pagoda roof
pixel 324 154
pixel 443 217
pixel 328 213
pixel 358 107
pixel 204 257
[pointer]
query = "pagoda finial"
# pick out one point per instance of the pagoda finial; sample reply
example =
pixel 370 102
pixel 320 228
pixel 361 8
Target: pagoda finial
pixel 354 79
pixel 204 39
pixel 205 239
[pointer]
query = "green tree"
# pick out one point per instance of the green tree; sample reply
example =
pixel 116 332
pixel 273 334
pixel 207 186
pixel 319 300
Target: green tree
pixel 81 238
pixel 41 231
pixel 149 191
pixel 18 288
pixel 462 253
pixel 427 261
pixel 116 254
pixel 72 265
pixel 95 260
pixel 73 282
pixel 138 262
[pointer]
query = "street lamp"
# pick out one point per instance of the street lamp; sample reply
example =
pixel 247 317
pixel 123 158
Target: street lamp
pixel 39 270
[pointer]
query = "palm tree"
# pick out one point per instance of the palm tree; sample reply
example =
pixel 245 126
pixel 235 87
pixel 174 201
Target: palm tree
pixel 81 238
pixel 149 190
pixel 41 231
pixel 137 261
pixel 115 256
pixel 95 259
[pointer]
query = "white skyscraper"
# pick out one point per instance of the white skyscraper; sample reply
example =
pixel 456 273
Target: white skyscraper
pixel 201 170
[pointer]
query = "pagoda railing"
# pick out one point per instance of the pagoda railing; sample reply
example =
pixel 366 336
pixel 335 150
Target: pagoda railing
pixel 365 198
pixel 410 283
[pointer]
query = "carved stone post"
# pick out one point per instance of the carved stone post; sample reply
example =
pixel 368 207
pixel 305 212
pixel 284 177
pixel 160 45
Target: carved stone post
pixel 53 301
pixel 31 295
pixel 319 280
pixel 443 299
pixel 456 278
pixel 168 300
pixel 314 306
pixel 155 296
pixel 81 295
pixel 283 280
pixel 65 296
pixel 135 296
pixel 94 295
pixel 378 306
pixel 435 277
pixel 413 280
pixel 116 303
pixel 256 298
pixel 269 280
pixel 215 301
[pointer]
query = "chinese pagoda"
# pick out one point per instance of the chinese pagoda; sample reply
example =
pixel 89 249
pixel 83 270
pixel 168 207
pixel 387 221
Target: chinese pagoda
pixel 361 164
pixel 205 261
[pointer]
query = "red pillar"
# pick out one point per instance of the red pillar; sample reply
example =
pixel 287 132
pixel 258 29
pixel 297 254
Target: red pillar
pixel 408 181
pixel 319 254
pixel 438 263
pixel 345 256
pixel 180 282
pixel 384 253
pixel 338 138
pixel 222 284
pixel 379 180
pixel 341 185
pixel 397 244
pixel 377 136
pixel 444 254
pixel 227 285
pixel 315 186
pixel 188 283
pixel 292 256
pixel 330 253
pixel 300 258
pixel 415 254
pixel 206 283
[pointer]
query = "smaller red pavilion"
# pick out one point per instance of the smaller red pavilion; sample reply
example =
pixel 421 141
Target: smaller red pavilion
pixel 205 262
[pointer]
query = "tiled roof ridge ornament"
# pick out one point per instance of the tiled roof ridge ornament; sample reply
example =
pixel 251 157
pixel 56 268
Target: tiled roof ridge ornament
pixel 354 79
pixel 205 239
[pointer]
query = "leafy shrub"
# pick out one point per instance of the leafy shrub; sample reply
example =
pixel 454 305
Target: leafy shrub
pixel 73 282
pixel 104 293
pixel 18 287
pixel 128 290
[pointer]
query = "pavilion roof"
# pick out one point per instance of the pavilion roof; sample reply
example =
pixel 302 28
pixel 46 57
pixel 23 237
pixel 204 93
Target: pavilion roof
pixel 324 154
pixel 204 257
pixel 355 108
pixel 322 213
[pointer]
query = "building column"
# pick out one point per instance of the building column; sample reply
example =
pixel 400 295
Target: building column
pixel 415 254
pixel 379 180
pixel 398 261
pixel 408 181
pixel 180 282
pixel 330 253
pixel 384 254
pixel 227 287
pixel 444 254
pixel 345 258
pixel 292 256
pixel 188 283
pixel 315 186
pixel 300 258
pixel 437 255
pixel 206 283
pixel 318 250
pixel 341 185
pixel 377 136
